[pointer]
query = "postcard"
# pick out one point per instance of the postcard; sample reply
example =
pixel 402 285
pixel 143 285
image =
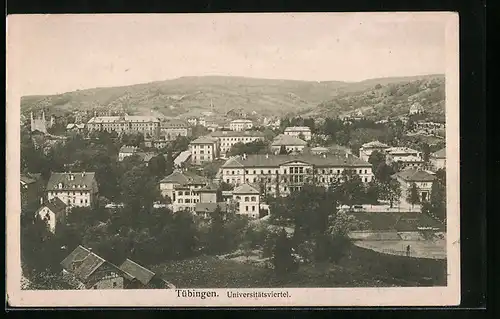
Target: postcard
pixel 232 160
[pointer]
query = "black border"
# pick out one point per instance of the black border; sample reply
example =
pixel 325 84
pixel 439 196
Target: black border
pixel 472 103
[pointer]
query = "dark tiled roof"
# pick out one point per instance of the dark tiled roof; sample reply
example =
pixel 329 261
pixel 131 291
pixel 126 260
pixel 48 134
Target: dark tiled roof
pixel 270 160
pixel 204 140
pixel 128 149
pixel 137 271
pixel 184 178
pixel 55 205
pixel 375 144
pixel 285 140
pixel 439 154
pixel 86 262
pixel 414 175
pixel 81 181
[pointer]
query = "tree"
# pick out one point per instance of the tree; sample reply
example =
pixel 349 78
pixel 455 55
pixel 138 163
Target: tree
pixel 351 190
pixel 157 166
pixel 283 260
pixel 373 191
pixel 378 86
pixel 383 173
pixel 392 192
pixel 426 151
pixel 138 189
pixel 438 200
pixel 376 158
pixel 412 195
pixel 169 164
pixel 217 234
pixel 283 150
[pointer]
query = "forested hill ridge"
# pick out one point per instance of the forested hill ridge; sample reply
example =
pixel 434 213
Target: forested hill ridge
pixel 188 96
pixel 380 100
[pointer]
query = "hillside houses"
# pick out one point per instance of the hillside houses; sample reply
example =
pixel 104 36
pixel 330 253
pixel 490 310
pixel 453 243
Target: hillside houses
pixel 290 144
pixel 204 149
pixel 303 132
pixel 227 139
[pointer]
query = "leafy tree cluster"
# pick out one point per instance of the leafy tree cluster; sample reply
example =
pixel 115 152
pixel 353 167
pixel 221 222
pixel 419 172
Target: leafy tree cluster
pixel 255 147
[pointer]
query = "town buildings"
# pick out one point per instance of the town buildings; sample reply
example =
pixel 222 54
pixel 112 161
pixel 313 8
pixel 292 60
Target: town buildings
pixel 247 199
pixel 75 127
pixel 416 108
pixel 184 190
pixel 172 128
pixel 285 173
pixel 404 156
pixel 74 189
pixel 91 271
pixel 240 125
pixel 289 142
pixel 40 124
pixel 147 125
pixel 438 159
pixel 53 212
pixel 204 149
pixel 127 150
pixel 227 139
pixel 368 148
pixel 422 179
pixel 302 132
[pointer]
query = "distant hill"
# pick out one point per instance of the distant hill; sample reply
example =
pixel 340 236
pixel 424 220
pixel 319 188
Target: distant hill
pixel 382 98
pixel 188 96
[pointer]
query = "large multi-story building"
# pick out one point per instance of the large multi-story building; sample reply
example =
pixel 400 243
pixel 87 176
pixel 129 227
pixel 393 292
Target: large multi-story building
pixel 185 190
pixel 126 151
pixel 204 149
pixel 368 148
pixel 147 125
pixel 286 173
pixel 74 189
pixel 173 128
pixel 240 125
pixel 227 139
pixel 303 132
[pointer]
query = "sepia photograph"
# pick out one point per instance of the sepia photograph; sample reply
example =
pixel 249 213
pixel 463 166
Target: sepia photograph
pixel 284 159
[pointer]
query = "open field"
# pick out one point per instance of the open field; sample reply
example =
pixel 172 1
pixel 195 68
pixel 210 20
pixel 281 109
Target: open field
pixel 363 268
pixel 418 248
pixel 403 221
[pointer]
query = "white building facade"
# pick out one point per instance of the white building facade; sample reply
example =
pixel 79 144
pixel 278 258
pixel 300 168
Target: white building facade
pixel 303 132
pixel 240 125
pixel 73 189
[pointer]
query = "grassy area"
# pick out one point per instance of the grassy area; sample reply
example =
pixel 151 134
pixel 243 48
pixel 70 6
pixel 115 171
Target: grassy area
pixel 407 221
pixel 364 268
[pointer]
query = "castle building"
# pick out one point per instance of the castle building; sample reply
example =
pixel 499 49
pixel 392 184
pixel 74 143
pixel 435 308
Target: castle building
pixel 147 125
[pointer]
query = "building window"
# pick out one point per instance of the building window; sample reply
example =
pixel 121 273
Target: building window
pixel 253 198
pixel 180 201
pixel 114 284
pixel 246 208
pixel 253 208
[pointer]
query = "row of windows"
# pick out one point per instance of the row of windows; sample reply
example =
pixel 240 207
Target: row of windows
pixel 292 179
pixel 67 193
pixel 74 201
pixel 247 208
pixel 247 198
pixel 202 152
pixel 187 201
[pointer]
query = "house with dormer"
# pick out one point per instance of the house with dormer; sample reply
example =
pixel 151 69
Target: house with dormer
pixel 73 188
pixel 53 212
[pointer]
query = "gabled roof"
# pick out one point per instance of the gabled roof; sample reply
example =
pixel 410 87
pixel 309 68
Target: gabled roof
pixel 137 271
pixel 146 156
pixel 81 181
pixel 245 189
pixel 415 175
pixel 233 162
pixel 401 150
pixel 204 140
pixel 439 154
pixel 85 261
pixel 182 157
pixel 375 144
pixel 288 140
pixel 55 205
pixel 184 178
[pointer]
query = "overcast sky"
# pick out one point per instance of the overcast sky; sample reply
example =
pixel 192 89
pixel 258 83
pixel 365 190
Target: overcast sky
pixel 55 54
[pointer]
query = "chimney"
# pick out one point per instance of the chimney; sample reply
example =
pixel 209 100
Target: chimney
pixel 267 155
pixel 41 200
pixel 346 155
